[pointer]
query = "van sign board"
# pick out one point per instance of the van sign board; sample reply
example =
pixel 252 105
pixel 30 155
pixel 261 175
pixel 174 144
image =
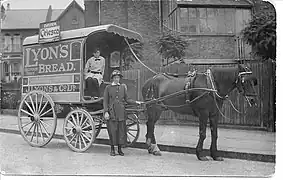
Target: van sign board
pixel 49 32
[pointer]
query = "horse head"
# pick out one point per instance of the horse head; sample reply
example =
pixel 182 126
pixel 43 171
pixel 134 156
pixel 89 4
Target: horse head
pixel 246 83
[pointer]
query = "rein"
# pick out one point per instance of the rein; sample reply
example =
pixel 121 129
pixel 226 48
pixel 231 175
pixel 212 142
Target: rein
pixel 221 97
pixel 132 51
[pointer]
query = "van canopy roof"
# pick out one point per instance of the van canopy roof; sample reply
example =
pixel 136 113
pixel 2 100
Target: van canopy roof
pixel 83 32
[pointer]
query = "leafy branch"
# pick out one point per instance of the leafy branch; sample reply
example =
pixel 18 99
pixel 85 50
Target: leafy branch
pixel 261 34
pixel 127 56
pixel 171 46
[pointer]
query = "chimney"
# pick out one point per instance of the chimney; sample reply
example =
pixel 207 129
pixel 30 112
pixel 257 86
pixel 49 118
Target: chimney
pixel 8 7
pixel 49 14
pixel 92 12
pixel 2 12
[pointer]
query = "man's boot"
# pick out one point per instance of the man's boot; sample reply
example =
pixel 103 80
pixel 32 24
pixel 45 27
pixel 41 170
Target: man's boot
pixel 112 151
pixel 120 150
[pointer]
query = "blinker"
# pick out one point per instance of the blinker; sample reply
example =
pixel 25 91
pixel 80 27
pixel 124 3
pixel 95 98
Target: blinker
pixel 245 73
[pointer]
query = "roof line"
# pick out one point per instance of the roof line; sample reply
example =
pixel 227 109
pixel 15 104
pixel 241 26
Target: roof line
pixel 251 2
pixel 74 2
pixel 30 9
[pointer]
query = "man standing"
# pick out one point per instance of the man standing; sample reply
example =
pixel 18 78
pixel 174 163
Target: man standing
pixel 94 71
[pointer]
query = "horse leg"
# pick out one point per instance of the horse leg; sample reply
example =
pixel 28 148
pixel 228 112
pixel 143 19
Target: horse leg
pixel 153 115
pixel 202 135
pixel 214 135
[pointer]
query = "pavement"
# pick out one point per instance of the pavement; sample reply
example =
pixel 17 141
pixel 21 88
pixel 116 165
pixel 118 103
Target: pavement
pixel 232 143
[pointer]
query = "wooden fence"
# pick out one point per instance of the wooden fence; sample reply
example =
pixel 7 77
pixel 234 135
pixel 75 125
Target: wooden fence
pixel 261 116
pixel 256 116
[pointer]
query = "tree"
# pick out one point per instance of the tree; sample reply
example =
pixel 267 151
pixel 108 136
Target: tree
pixel 171 45
pixel 128 57
pixel 261 34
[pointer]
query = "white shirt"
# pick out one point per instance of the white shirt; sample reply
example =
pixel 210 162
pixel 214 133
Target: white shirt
pixel 95 64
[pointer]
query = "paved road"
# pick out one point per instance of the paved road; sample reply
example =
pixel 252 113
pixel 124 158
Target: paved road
pixel 246 141
pixel 17 157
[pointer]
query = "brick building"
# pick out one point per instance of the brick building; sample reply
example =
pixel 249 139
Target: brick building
pixel 17 24
pixel 140 16
pixel 212 27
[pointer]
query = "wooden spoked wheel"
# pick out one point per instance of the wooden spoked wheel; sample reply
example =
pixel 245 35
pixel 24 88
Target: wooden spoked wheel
pixel 132 128
pixel 79 130
pixel 37 119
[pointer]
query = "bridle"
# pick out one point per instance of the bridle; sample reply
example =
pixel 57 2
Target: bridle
pixel 239 83
pixel 241 87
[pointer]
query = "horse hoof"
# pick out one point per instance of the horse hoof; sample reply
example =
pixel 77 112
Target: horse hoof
pixel 149 152
pixel 218 159
pixel 203 158
pixel 157 153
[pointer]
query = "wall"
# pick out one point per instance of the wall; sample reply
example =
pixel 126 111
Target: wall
pixel 67 19
pixel 91 13
pixel 144 19
pixel 114 12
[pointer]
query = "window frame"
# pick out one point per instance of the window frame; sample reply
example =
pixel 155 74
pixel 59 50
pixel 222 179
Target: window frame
pixel 7 44
pixel 236 25
pixel 17 47
pixel 198 33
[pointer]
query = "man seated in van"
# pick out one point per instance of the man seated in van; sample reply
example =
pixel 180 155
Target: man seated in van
pixel 94 71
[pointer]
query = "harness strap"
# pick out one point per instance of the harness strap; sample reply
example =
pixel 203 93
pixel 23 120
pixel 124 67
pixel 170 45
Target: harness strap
pixel 219 108
pixel 208 73
pixel 233 106
pixel 223 98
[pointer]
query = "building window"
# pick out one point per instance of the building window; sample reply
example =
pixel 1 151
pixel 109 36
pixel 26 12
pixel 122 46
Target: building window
pixel 16 69
pixel 17 43
pixel 207 20
pixel 75 20
pixel 6 69
pixel 214 32
pixel 7 43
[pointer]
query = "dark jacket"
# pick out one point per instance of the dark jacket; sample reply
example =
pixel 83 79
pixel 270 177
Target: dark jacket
pixel 115 99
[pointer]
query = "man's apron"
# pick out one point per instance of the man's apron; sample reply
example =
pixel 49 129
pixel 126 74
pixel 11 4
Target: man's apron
pixel 97 76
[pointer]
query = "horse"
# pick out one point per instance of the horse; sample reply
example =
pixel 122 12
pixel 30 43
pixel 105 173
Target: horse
pixel 206 105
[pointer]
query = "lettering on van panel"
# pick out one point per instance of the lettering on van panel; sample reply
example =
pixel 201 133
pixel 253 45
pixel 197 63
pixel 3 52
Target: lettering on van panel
pixel 58 88
pixel 52 58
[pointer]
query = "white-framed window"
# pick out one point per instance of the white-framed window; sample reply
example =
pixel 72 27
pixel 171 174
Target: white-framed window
pixel 7 43
pixel 6 69
pixel 17 43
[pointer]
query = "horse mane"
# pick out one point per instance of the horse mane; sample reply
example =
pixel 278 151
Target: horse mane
pixel 151 86
pixel 224 76
pixel 225 73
